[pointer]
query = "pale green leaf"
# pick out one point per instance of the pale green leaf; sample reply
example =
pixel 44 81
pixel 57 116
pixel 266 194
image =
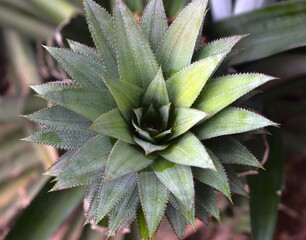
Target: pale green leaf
pixel 89 103
pixel 54 86
pixel 184 119
pixel 176 49
pixel 223 45
pixel 231 121
pixel 84 69
pixel 57 167
pixel 124 212
pixel 177 221
pixel 221 92
pixel 149 147
pixel 86 163
pixel 185 86
pixel 215 178
pixel 108 195
pixel 206 198
pixel 79 47
pixel 60 118
pixel 235 183
pixel 127 96
pixel 124 159
pixel 188 150
pixel 179 181
pixel 154 22
pixel 230 151
pixel 101 27
pixel 89 196
pixel 156 93
pixel 113 124
pixel 154 197
pixel 137 64
pixel 64 140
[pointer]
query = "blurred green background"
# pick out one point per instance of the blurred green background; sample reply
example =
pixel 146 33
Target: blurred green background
pixel 276 46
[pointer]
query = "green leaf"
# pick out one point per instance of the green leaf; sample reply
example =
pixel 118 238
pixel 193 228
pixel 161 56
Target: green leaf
pixel 108 195
pixel 185 86
pixel 231 121
pixel 215 178
pixel 135 5
pixel 176 49
pixel 124 212
pixel 154 22
pixel 184 119
pixel 223 45
pixel 172 8
pixel 177 221
pixel 127 96
pixel 284 31
pixel 125 159
pixel 86 164
pixel 201 213
pixel 113 124
pixel 221 92
pixel 154 198
pixel 57 167
pixel 137 64
pixel 205 197
pixel 44 221
pixel 188 150
pixel 101 27
pixel 60 118
pixel 64 140
pixel 54 86
pixel 90 103
pixel 149 147
pixel 142 225
pixel 235 183
pixel 179 181
pixel 230 151
pixel 264 188
pixel 79 47
pixel 84 69
pixel 156 93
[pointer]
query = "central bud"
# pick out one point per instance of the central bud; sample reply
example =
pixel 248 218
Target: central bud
pixel 152 127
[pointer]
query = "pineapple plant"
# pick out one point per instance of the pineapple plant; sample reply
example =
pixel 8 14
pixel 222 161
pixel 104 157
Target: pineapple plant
pixel 146 125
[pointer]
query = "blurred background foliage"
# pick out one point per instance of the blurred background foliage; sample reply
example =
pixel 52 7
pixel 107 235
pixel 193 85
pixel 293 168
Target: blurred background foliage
pixel 275 46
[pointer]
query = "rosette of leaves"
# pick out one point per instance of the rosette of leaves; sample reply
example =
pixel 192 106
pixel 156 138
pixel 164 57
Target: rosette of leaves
pixel 144 125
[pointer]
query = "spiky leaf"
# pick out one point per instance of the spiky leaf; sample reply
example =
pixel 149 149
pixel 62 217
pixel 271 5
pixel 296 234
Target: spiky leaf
pixel 64 140
pixel 154 22
pixel 125 159
pixel 136 60
pixel 176 49
pixel 79 47
pixel 177 221
pixel 231 121
pixel 230 151
pixel 215 178
pixel 179 181
pixel 124 211
pixel 113 124
pixel 185 86
pixel 157 91
pixel 91 103
pixel 84 69
pixel 101 27
pixel 188 150
pixel 108 195
pixel 154 197
pixel 221 92
pixel 60 118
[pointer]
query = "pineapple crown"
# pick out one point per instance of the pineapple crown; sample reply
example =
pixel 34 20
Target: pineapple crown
pixel 144 123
